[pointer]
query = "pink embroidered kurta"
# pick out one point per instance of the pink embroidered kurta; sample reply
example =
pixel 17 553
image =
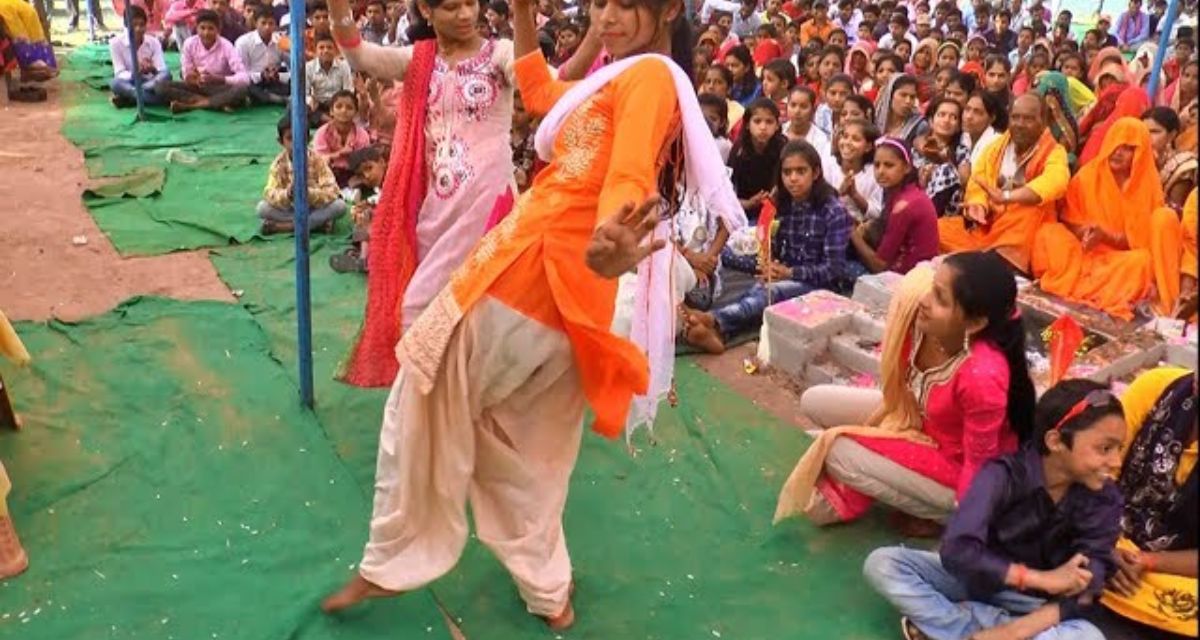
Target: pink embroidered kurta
pixel 467 153
pixel 964 405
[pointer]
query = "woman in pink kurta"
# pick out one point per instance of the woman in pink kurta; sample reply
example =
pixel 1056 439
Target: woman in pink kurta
pixel 466 160
pixel 964 364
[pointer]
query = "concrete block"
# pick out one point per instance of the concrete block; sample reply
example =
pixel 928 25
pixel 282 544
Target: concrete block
pixel 787 353
pixel 874 291
pixel 1182 354
pixel 846 351
pixel 814 316
pixel 868 325
pixel 821 373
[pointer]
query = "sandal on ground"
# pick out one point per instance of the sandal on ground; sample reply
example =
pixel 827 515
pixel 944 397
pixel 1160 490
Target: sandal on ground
pixel 271 227
pixel 348 262
pixel 28 94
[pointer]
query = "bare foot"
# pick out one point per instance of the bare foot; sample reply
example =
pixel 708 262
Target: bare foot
pixel 564 620
pixel 355 591
pixel 700 335
pixel 703 318
pixel 13 560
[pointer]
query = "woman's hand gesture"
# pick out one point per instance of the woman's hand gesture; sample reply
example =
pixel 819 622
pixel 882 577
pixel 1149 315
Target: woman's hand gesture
pixel 616 245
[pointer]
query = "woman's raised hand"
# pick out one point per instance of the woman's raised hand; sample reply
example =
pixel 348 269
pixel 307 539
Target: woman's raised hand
pixel 616 246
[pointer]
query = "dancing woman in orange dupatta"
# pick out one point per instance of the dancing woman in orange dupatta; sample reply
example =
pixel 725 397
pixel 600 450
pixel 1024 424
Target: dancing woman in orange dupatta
pixel 1117 240
pixel 450 172
pixel 495 376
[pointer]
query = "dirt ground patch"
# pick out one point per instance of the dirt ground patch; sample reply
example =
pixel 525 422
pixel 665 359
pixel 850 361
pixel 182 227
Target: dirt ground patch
pixel 775 393
pixel 43 272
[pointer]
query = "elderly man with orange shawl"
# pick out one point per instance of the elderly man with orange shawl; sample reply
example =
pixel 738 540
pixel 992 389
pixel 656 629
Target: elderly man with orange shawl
pixel 1117 242
pixel 1016 183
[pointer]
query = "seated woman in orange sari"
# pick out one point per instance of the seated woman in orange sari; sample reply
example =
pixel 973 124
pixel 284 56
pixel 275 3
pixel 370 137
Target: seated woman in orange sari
pixel 1117 242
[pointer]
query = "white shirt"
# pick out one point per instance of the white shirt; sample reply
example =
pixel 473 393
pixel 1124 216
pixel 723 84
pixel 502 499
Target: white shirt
pixel 322 84
pixel 150 49
pixel 830 170
pixel 889 42
pixel 985 139
pixel 709 6
pixel 850 27
pixel 401 34
pixel 257 56
pixel 865 185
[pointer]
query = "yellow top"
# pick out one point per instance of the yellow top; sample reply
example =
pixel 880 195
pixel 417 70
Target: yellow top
pixel 1138 401
pixel 10 343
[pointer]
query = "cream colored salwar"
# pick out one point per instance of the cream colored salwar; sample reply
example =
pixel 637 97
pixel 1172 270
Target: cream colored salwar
pixel 500 427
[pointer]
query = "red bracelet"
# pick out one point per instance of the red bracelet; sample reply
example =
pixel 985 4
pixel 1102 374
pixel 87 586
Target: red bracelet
pixel 344 43
pixel 1022 573
pixel 1147 562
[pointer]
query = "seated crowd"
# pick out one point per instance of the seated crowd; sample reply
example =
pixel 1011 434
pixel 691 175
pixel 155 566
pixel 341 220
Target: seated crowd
pixel 861 138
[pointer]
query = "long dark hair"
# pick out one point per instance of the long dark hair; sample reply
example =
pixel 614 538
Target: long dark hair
pixel 984 287
pixel 418 27
pixel 748 82
pixel 821 191
pixel 994 108
pixel 931 110
pixel 745 144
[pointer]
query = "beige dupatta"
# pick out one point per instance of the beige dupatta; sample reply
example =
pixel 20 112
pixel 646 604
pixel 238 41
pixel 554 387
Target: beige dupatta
pixel 898 417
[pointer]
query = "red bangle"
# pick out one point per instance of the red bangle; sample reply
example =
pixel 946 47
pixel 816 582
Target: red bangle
pixel 1147 562
pixel 348 43
pixel 1022 573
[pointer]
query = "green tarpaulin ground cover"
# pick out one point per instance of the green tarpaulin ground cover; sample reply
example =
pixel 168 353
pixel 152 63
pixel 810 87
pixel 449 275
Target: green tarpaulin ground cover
pixel 192 180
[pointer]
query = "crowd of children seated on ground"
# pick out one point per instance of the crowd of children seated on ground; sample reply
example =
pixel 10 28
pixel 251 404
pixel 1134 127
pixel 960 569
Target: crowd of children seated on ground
pixel 1003 132
pixel 866 137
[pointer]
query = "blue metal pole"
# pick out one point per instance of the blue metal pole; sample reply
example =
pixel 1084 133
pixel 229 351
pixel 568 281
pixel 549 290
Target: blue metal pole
pixel 1164 39
pixel 300 201
pixel 134 63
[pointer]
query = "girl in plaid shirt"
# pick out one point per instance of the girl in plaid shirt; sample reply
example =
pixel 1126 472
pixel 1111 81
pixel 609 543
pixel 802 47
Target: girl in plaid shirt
pixel 809 231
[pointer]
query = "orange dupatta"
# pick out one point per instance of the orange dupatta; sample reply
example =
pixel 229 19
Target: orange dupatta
pixel 1094 191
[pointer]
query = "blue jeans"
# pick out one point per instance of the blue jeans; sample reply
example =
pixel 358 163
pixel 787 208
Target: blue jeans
pixel 915 582
pixel 316 217
pixel 126 91
pixel 746 312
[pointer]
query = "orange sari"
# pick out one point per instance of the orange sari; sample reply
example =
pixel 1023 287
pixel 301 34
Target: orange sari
pixel 1189 266
pixel 533 260
pixel 1011 230
pixel 1105 277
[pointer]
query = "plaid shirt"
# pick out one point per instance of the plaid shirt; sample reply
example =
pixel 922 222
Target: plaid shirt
pixel 813 241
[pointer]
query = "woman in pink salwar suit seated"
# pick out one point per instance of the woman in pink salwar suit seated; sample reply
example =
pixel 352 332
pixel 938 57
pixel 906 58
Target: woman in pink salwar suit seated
pixel 956 392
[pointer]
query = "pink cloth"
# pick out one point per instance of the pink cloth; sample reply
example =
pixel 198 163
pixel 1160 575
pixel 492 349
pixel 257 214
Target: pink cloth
pixel 181 11
pixel 965 416
pixel 328 142
pixel 221 60
pixel 911 233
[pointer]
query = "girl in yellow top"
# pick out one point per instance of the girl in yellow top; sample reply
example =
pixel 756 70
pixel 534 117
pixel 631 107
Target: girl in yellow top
pixel 1154 587
pixel 496 373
